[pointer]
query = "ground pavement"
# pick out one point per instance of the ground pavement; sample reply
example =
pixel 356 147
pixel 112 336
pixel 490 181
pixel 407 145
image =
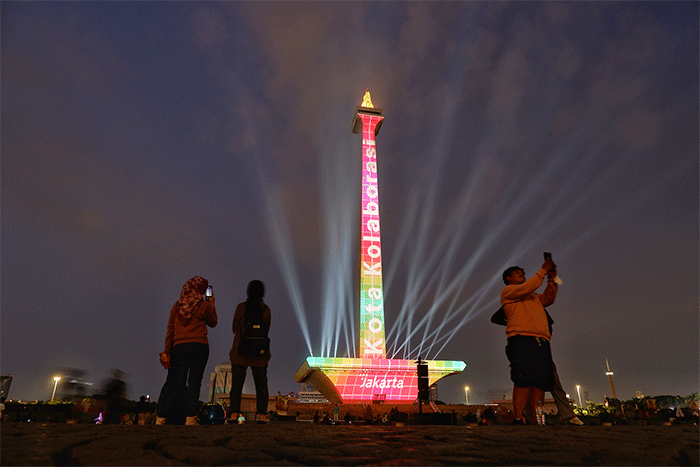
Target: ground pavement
pixel 302 443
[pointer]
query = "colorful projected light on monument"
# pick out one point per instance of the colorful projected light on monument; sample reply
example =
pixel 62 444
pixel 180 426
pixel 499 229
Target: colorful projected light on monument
pixel 372 376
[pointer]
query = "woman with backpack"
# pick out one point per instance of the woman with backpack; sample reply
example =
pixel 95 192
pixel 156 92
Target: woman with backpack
pixel 251 348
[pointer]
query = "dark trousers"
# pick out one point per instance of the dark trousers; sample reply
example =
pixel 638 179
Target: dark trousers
pixel 531 362
pixel 187 363
pixel 261 393
pixel 563 404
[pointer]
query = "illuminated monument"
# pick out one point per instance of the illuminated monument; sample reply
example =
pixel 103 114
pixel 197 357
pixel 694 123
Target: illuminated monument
pixel 610 379
pixel 372 376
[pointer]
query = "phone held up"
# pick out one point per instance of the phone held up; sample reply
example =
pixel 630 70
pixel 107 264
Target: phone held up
pixel 548 256
pixel 209 293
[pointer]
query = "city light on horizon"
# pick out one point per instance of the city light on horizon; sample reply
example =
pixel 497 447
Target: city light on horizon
pixel 578 390
pixel 56 379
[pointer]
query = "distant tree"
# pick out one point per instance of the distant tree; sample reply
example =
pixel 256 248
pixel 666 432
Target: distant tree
pixel 664 401
pixel 61 401
pixel 692 397
pixel 596 409
pixel 614 405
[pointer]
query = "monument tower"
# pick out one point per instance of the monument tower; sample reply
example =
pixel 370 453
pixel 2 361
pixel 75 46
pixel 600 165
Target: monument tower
pixel 370 376
pixel 610 379
pixel 367 122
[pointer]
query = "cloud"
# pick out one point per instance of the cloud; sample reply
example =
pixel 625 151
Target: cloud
pixel 60 178
pixel 68 188
pixel 638 128
pixel 210 31
pixel 508 87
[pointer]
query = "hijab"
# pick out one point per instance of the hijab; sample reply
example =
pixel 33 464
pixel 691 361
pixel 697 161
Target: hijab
pixel 192 293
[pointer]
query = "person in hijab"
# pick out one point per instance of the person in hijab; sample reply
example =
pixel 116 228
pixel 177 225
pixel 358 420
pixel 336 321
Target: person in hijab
pixel 252 310
pixel 186 349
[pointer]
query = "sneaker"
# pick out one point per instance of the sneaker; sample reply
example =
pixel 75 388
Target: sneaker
pixel 575 421
pixel 192 421
pixel 161 420
pixel 518 421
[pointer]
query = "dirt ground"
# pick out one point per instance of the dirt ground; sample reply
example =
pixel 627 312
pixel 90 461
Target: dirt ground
pixel 303 443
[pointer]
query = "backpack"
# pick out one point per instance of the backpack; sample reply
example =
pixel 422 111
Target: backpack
pixel 254 341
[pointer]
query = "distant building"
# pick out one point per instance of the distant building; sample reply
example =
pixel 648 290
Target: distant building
pixel 220 390
pixel 220 383
pixel 309 395
pixel 5 383
pixel 496 393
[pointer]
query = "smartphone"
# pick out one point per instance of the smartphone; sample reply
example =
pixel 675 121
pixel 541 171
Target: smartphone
pixel 209 293
pixel 547 256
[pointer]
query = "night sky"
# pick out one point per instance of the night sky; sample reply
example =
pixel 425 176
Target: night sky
pixel 144 143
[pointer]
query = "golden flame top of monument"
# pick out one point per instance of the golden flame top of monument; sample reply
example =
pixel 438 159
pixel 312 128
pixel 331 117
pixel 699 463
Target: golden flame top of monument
pixel 366 108
pixel 367 100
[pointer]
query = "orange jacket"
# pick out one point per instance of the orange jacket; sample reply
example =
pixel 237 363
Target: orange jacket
pixel 196 328
pixel 525 309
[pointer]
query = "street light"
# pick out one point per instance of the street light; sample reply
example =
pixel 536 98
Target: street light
pixel 56 380
pixel 466 393
pixel 578 390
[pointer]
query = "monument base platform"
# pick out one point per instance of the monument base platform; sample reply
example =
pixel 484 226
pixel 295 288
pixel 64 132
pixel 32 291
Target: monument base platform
pixel 363 380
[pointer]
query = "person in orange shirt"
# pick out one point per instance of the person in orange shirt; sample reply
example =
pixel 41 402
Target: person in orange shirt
pixel 561 399
pixel 186 349
pixel 528 349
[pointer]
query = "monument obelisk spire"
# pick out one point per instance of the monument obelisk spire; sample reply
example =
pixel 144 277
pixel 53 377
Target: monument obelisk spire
pixel 367 121
pixel 369 375
pixel 610 379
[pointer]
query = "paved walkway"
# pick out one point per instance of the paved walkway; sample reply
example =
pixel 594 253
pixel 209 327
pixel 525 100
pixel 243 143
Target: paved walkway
pixel 301 443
